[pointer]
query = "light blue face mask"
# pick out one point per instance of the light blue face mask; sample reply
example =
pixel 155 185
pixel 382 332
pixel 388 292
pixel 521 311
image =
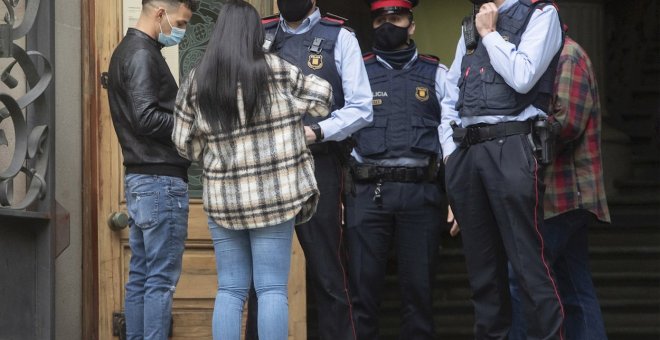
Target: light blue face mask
pixel 174 38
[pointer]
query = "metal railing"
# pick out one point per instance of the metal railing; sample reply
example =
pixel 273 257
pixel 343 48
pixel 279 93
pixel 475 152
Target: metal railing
pixel 33 227
pixel 32 138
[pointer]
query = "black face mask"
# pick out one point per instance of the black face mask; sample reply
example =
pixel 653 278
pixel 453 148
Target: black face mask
pixel 388 36
pixel 294 10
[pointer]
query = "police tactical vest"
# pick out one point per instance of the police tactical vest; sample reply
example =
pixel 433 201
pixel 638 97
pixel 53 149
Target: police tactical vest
pixel 406 111
pixel 313 52
pixel 483 92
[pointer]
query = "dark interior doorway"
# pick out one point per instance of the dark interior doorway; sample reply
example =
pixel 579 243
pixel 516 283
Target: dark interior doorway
pixel 357 13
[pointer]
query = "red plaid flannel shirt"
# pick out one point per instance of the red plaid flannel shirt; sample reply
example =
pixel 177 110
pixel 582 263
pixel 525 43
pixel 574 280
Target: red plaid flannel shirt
pixel 575 179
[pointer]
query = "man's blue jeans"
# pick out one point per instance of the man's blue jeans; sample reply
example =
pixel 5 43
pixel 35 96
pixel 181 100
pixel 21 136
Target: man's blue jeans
pixel 566 244
pixel 240 255
pixel 158 209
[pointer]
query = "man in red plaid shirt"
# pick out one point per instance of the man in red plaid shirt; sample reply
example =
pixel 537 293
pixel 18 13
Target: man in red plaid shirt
pixel 574 195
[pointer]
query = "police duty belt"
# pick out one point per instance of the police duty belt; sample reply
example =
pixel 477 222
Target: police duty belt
pixel 372 173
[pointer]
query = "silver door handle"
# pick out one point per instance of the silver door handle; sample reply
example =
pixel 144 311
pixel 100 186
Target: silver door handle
pixel 118 221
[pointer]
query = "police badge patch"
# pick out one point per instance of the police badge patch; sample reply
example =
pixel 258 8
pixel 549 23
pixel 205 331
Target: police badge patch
pixel 315 61
pixel 422 94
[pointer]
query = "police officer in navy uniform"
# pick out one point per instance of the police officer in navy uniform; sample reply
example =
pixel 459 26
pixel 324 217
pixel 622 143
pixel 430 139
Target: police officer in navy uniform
pixel 499 88
pixel 324 47
pixel 396 199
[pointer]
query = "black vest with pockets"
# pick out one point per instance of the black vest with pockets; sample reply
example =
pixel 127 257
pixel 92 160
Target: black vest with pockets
pixel 406 111
pixel 318 59
pixel 483 92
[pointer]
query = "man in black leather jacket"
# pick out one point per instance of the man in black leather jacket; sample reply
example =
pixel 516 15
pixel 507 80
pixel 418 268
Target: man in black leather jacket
pixel 142 92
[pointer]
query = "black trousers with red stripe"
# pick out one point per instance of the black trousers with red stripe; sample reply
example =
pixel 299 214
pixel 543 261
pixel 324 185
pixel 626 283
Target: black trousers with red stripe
pixel 325 252
pixel 495 190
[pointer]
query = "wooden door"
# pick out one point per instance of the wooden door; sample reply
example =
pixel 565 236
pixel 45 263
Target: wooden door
pixel 107 253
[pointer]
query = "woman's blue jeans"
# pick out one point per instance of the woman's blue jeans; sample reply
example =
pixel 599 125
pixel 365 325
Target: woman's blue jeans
pixel 262 255
pixel 158 207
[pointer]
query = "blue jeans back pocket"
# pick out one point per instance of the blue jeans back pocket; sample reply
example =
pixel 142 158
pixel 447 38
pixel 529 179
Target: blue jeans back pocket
pixel 143 208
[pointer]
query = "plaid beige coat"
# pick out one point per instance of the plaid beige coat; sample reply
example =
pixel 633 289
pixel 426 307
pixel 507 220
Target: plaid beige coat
pixel 260 175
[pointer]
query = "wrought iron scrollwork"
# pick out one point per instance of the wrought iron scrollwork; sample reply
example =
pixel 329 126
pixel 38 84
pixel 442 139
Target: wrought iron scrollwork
pixel 31 144
pixel 191 51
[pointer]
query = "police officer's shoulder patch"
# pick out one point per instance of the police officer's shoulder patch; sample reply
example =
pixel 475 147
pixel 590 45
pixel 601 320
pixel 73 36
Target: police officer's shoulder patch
pixel 269 20
pixel 335 18
pixel 431 59
pixel 331 22
pixel 330 19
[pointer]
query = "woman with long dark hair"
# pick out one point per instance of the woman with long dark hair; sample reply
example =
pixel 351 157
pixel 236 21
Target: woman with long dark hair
pixel 239 113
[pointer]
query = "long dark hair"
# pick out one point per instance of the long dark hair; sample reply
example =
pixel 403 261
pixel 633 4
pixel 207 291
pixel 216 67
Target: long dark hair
pixel 234 56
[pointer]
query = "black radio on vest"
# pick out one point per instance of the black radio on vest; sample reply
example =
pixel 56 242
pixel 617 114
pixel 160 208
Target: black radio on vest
pixel 470 34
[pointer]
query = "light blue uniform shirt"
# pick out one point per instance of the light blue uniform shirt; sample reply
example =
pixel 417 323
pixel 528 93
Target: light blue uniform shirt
pixel 520 67
pixel 440 81
pixel 357 110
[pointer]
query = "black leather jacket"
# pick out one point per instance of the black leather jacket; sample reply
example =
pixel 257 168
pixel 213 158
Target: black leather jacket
pixel 142 92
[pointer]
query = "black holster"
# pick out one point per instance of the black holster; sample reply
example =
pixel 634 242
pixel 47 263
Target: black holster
pixel 544 138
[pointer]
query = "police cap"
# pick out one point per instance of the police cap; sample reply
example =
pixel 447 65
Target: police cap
pixel 380 7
